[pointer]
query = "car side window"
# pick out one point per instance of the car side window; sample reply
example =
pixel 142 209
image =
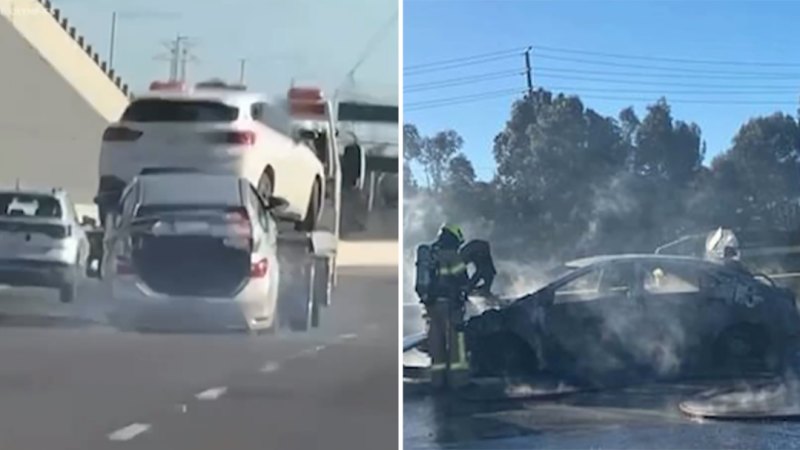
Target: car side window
pixel 257 111
pixel 664 279
pixel 273 117
pixel 585 287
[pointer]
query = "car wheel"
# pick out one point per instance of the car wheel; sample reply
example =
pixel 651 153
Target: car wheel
pixel 68 292
pixel 312 211
pixel 322 285
pixel 743 345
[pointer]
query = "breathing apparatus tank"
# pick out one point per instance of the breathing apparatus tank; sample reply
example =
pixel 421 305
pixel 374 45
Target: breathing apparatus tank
pixel 424 265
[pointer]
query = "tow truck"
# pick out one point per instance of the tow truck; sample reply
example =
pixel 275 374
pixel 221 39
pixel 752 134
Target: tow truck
pixel 309 257
pixel 366 137
pixel 367 134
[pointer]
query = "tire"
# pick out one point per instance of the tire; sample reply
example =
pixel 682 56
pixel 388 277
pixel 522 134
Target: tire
pixel 312 211
pixel 303 312
pixel 68 292
pixel 322 282
pixel 742 344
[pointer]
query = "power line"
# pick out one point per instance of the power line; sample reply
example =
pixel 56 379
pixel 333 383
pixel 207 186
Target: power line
pixel 662 75
pixel 692 101
pixel 517 50
pixel 679 92
pixel 665 59
pixel 658 83
pixel 435 103
pixel 458 65
pixel 661 68
pixel 461 80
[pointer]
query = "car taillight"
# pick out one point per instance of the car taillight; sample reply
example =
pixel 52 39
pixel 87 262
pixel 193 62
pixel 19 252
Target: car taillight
pixel 124 266
pixel 259 268
pixel 234 137
pixel 120 134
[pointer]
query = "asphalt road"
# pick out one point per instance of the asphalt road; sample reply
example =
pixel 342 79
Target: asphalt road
pixel 640 417
pixel 67 382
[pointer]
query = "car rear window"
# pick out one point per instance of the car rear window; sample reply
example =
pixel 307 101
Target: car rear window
pixel 363 112
pixel 152 210
pixel 29 205
pixel 159 110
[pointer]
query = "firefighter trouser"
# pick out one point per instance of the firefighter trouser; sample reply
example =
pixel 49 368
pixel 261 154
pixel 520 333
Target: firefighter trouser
pixel 449 367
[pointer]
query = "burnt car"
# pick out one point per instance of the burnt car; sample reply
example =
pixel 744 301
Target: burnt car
pixel 606 318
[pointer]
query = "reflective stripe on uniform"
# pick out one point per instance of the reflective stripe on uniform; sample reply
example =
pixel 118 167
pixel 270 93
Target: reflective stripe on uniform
pixel 455 269
pixel 461 362
pixel 437 367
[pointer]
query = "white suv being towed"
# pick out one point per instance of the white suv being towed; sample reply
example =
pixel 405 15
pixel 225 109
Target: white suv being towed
pixel 213 130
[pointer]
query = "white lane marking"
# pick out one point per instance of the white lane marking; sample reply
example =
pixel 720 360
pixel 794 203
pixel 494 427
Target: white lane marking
pixel 270 367
pixel 348 336
pixel 129 432
pixel 212 394
pixel 311 351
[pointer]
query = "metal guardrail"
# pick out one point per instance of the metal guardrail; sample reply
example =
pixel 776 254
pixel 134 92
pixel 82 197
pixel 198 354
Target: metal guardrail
pixel 62 20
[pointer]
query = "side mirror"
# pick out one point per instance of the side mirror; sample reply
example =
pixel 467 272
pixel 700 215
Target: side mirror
pixel 88 222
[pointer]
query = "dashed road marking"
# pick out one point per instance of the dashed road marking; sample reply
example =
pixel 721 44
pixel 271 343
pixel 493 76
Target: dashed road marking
pixel 212 394
pixel 311 351
pixel 270 367
pixel 129 432
pixel 348 336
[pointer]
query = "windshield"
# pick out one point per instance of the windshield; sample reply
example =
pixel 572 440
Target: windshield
pixel 29 205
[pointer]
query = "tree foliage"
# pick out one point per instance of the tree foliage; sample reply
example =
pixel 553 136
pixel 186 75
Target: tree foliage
pixel 571 182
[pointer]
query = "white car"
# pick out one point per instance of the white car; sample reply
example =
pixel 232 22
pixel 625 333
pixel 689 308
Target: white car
pixel 193 251
pixel 42 244
pixel 214 129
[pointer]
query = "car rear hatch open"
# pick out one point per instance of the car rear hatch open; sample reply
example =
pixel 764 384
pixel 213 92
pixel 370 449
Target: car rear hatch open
pixel 191 252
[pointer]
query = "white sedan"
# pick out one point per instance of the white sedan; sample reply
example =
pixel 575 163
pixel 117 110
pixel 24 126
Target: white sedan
pixel 215 129
pixel 193 251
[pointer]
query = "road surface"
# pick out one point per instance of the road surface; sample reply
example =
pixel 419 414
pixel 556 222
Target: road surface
pixel 69 383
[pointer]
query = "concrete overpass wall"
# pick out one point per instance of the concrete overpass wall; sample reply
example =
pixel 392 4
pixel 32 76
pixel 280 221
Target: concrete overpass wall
pixel 56 97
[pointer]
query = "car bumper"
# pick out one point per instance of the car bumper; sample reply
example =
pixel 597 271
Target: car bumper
pixel 32 273
pixel 147 309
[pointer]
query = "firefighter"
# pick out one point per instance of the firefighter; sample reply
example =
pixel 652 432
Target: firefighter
pixel 730 259
pixel 441 283
pixel 477 252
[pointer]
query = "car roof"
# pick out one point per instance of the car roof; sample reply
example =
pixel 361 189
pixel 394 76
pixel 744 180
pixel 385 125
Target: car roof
pixel 646 257
pixel 227 96
pixel 189 189
pixel 55 192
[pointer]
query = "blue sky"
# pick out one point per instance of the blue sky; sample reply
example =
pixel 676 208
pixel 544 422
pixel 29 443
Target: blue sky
pixel 312 40
pixel 736 31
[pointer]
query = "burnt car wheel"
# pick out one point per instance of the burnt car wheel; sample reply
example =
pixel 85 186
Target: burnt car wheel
pixel 502 354
pixel 744 346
